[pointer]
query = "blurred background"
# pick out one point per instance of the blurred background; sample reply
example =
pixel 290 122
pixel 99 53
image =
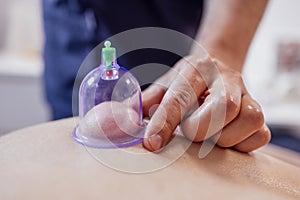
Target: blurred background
pixel 272 69
pixel 21 66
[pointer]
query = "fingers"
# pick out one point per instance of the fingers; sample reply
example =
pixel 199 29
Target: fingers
pixel 258 139
pixel 249 120
pixel 227 104
pixel 153 95
pixel 177 101
pixel 218 109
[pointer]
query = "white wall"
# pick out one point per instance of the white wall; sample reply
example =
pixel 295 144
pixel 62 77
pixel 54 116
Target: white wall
pixel 280 23
pixel 21 26
pixel 21 97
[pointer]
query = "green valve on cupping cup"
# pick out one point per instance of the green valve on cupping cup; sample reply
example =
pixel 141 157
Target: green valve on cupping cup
pixel 108 54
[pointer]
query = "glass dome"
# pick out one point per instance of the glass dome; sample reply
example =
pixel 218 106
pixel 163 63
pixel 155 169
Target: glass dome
pixel 110 106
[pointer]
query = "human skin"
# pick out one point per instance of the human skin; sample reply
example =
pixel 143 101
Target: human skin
pixel 43 162
pixel 212 80
pixel 107 120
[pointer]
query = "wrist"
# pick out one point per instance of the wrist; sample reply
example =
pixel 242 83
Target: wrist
pixel 228 54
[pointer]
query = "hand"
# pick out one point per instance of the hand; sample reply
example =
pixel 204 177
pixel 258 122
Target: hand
pixel 217 90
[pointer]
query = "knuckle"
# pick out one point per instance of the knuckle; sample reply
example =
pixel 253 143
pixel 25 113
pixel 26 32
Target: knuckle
pixel 232 104
pixel 254 115
pixel 205 60
pixel 203 65
pixel 183 98
pixel 228 102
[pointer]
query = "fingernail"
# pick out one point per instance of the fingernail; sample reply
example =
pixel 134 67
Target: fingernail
pixel 155 141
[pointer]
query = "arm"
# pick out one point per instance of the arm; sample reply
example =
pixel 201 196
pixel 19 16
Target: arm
pixel 228 28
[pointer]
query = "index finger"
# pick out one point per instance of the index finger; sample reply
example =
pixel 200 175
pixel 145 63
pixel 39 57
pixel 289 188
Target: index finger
pixel 178 100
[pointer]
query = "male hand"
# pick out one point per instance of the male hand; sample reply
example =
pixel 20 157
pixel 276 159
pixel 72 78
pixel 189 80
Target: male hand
pixel 195 92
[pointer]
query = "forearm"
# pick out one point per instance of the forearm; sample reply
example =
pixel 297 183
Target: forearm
pixel 228 28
